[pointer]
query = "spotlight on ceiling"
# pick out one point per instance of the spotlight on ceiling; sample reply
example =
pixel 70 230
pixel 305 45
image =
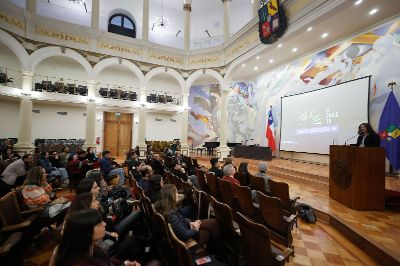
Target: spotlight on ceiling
pixel 373 11
pixel 258 57
pixel 309 29
pixel 358 2
pixel 255 68
pixel 243 65
pixel 324 35
pixel 271 61
pixel 294 49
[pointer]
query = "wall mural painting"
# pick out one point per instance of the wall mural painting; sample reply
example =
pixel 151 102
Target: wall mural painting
pixel 204 101
pixel 376 53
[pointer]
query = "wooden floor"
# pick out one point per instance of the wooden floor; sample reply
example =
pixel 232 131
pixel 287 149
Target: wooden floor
pixel 311 183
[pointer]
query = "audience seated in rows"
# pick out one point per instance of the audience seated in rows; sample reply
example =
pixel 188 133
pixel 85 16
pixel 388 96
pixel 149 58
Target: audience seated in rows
pixel 216 168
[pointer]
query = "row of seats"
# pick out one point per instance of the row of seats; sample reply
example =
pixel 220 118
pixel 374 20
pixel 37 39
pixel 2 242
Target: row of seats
pixel 161 98
pixel 57 144
pixel 60 87
pixel 239 231
pixel 118 94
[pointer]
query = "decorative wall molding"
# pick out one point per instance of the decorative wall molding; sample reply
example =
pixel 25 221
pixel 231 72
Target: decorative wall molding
pixel 61 35
pixel 166 58
pixel 13 21
pixel 119 48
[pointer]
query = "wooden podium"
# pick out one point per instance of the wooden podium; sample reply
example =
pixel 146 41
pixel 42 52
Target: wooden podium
pixel 357 177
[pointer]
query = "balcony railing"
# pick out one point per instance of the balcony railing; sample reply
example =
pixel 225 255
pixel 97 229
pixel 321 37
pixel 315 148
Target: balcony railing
pixel 59 85
pixel 10 77
pixel 116 92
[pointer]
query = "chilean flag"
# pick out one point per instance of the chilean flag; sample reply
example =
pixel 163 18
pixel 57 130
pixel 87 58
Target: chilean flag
pixel 270 129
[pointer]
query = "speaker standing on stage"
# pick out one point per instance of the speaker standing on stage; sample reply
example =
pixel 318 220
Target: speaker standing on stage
pixel 367 136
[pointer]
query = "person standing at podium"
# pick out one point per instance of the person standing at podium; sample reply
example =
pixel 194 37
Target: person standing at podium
pixel 367 136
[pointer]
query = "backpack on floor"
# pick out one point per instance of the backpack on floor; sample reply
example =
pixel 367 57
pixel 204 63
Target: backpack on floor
pixel 306 212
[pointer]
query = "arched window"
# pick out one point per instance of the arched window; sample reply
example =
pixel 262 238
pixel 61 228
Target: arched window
pixel 122 25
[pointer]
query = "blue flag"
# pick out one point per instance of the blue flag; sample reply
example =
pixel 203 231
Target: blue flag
pixel 389 130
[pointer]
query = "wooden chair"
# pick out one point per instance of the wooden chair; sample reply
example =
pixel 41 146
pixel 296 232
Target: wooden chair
pixel 229 228
pixel 257 183
pixel 201 177
pixel 242 178
pixel 281 191
pixel 9 248
pixel 246 205
pixel 256 241
pixel 273 216
pixel 212 185
pixel 227 195
pixel 148 210
pixel 201 199
pixel 11 216
pixel 182 252
pixel 163 238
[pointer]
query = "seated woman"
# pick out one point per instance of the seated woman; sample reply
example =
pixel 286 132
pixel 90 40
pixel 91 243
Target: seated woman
pixel 10 155
pixel 243 170
pixel 144 183
pixel 204 231
pixel 78 246
pixel 36 191
pixel 90 155
pixel 51 170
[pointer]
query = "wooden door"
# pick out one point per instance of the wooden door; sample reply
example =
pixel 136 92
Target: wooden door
pixel 117 133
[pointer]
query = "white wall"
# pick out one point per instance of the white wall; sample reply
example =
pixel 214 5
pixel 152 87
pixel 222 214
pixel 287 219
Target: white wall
pixel 163 130
pixel 9 115
pixel 49 124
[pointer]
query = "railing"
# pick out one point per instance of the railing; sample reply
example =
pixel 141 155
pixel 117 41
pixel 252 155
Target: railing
pixel 59 85
pixel 117 92
pixel 10 77
pixel 164 97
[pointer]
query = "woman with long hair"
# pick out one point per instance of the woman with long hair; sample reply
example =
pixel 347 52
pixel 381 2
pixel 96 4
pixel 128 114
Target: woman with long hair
pixel 367 136
pixel 36 191
pixel 202 231
pixel 243 173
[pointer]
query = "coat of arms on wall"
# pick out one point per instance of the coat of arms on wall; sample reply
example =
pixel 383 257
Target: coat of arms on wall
pixel 273 21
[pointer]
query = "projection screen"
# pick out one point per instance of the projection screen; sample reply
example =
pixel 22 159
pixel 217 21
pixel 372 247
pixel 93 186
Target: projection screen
pixel 312 121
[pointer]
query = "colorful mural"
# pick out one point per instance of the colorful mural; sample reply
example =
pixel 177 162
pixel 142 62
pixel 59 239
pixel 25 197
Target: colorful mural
pixel 376 53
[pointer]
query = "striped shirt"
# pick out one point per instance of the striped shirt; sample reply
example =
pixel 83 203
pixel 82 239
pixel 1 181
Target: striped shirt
pixel 36 196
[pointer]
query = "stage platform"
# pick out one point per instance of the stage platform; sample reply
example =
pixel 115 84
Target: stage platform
pixel 376 233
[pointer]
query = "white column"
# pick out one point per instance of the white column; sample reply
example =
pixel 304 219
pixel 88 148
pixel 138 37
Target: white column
pixel 31 6
pixel 223 149
pixel 142 123
pixel 187 8
pixel 185 124
pixel 90 130
pixel 24 144
pixel 95 14
pixel 145 21
pixel 256 6
pixel 226 20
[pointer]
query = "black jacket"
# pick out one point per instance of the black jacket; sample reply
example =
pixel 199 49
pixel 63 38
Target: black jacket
pixel 218 172
pixel 372 140
pixel 181 226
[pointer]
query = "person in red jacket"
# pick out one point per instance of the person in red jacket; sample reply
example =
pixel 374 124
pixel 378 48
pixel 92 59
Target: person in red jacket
pixel 229 172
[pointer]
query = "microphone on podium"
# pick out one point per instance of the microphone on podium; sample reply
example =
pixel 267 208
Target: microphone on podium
pixel 345 143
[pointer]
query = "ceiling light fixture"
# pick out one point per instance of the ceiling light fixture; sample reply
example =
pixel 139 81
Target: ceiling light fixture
pixel 258 57
pixel 358 2
pixel 373 11
pixel 255 68
pixel 279 45
pixel 323 36
pixel 309 29
pixel 243 65
pixel 271 60
pixel 163 21
pixel 294 49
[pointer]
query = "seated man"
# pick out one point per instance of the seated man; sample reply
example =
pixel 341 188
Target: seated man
pixel 157 165
pixel 216 168
pixel 14 174
pixel 262 168
pixel 144 182
pixel 109 169
pixel 229 172
pixel 180 172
